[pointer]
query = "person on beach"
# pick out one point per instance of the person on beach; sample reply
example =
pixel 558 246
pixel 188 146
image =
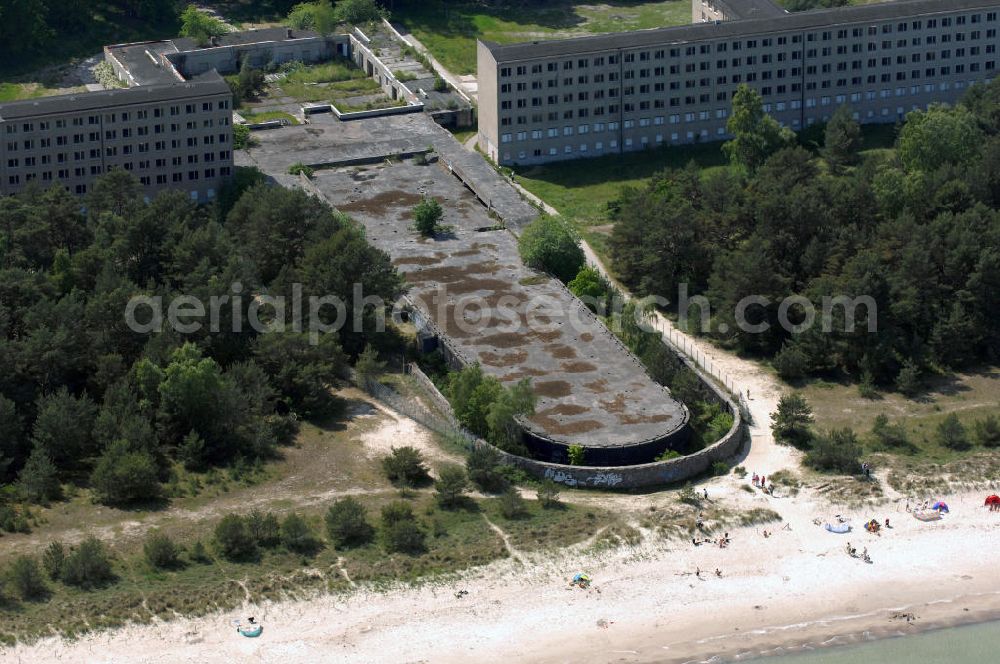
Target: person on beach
pixel 697 572
pixel 718 572
pixel 887 523
pixel 755 479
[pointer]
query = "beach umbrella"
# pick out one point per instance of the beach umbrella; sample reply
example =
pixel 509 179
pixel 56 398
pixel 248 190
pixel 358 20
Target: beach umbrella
pixel 940 507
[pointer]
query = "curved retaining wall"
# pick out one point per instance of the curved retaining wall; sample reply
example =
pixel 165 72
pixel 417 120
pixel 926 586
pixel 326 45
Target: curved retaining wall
pixel 638 476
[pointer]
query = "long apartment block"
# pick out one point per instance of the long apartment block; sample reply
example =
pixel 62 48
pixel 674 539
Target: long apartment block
pixel 610 94
pixel 170 125
pixel 171 136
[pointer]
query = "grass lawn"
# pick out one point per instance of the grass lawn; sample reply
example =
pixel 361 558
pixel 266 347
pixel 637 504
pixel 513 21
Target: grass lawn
pixel 450 29
pixel 323 81
pixel 581 189
pixel 16 91
pixel 970 396
pixel 263 116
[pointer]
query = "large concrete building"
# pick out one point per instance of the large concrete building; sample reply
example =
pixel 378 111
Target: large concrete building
pixel 170 135
pixel 615 93
pixel 171 125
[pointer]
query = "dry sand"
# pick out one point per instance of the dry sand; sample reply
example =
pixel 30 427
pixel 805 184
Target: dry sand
pixel 796 588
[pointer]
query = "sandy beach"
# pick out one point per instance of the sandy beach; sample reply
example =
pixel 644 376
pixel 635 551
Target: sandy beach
pixel 795 589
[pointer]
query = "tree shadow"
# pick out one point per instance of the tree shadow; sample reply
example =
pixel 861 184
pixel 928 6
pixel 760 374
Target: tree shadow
pixel 949 385
pixel 463 504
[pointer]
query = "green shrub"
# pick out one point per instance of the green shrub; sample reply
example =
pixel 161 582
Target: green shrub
pixel 298 168
pixel 26 578
pixel 987 431
pixel 791 422
pixel 866 388
pixel 576 454
pixel 405 466
pixel 39 479
pixel 890 436
pixel 951 434
pixel 404 537
pixel 908 381
pixel 88 566
pixel 263 528
pixel 548 494
pixel 550 244
pixel 720 468
pixel 54 560
pixel 667 455
pixel 689 496
pixel 368 366
pixel 296 535
pixel 511 504
pixel 160 551
pixel 242 138
pixel 451 485
pixel 198 554
pixel 836 451
pixel 483 466
pixel 124 475
pixel 400 531
pixel 233 538
pixel 426 216
pixel 441 85
pixel 790 362
pixel 347 525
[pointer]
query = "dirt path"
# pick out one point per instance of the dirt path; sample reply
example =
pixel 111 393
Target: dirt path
pixel 514 553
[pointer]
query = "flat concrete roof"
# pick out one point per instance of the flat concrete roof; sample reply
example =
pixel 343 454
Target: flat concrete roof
pixel 791 22
pixel 142 60
pixel 591 390
pixel 242 37
pixel 209 83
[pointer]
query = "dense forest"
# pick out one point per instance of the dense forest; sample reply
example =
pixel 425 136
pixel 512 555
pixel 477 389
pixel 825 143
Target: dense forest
pixel 916 228
pixel 85 399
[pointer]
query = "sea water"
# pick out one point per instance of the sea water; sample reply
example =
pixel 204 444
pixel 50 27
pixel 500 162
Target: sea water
pixel 974 644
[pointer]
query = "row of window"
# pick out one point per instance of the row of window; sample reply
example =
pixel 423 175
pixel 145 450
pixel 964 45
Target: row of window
pixel 62 158
pixel 722 113
pixel 147 180
pixel 29 145
pixel 750 62
pixel 644 141
pixel 115 117
pixel 766 91
pixel 749 44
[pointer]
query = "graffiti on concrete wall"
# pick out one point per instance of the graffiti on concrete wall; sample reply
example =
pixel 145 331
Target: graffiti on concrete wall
pixel 600 479
pixel 604 479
